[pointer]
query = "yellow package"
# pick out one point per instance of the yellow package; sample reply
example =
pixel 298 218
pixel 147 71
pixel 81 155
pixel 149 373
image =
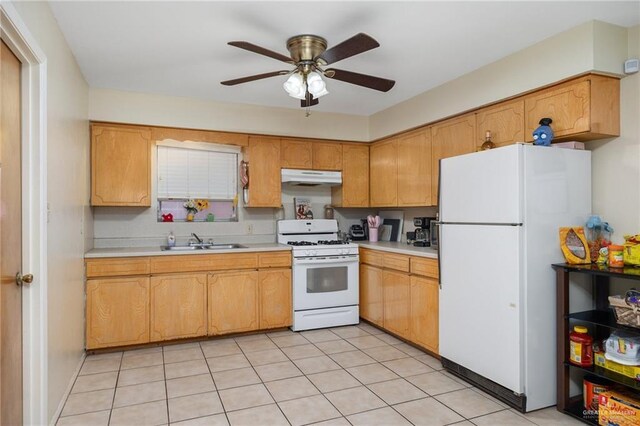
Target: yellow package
pixel 631 252
pixel 617 408
pixel 574 245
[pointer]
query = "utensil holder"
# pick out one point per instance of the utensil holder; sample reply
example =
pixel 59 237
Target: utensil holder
pixel 373 234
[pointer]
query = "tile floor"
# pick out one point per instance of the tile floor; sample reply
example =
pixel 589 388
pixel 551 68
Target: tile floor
pixel 354 375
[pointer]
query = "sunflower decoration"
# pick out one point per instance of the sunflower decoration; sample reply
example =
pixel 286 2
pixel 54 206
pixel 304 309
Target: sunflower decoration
pixel 202 205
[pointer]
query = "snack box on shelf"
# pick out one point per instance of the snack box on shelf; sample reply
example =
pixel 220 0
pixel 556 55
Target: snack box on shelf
pixel 618 408
pixel 632 371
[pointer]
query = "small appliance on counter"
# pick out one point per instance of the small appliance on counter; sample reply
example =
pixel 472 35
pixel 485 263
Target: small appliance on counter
pixel 422 234
pixel 356 233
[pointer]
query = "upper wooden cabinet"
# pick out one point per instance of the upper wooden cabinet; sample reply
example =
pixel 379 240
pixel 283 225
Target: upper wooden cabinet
pixel 327 156
pixel 354 191
pixel 583 109
pixel 505 121
pixel 296 154
pixel 264 158
pixel 384 173
pixel 233 302
pixel 414 168
pixel 120 165
pixel 450 138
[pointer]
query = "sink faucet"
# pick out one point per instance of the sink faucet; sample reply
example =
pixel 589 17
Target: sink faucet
pixel 198 239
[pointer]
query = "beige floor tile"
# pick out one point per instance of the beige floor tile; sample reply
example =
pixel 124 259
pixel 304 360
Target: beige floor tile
pixel 366 342
pixel 352 359
pixel 193 406
pixel 151 413
pixel 335 346
pixel 549 417
pixel 281 333
pixel 349 331
pixel 190 385
pixel 408 349
pixel 502 418
pixel 340 421
pixel 181 355
pixel 354 400
pixel 468 403
pixel 136 376
pixel 296 387
pixel 435 383
pixel 302 351
pixel 369 328
pixel 107 355
pixel 457 379
pixel 407 367
pixel 381 417
pixel 486 395
pixel 385 353
pixel 256 345
pixel 428 412
pixel 430 361
pixel 100 366
pixel 388 339
pixel 308 410
pixel 100 418
pixel 215 420
pixel 145 351
pixel 93 382
pixel 186 368
pixel 265 415
pixel 145 360
pixel 245 397
pixel 396 391
pixel 169 347
pixel 317 336
pixel 220 348
pixel 227 362
pixel 254 336
pixel 278 371
pixel 266 357
pixel 289 340
pixel 317 364
pixel 139 394
pixel 235 378
pixel 330 381
pixel 372 373
pixel 87 402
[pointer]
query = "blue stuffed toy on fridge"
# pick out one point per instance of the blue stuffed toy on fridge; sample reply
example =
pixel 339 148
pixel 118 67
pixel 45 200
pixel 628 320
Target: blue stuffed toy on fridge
pixel 543 135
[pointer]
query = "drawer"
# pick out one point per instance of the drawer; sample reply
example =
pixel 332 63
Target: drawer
pixel 203 262
pixel 371 257
pixel 117 266
pixel 424 267
pixel 277 259
pixel 396 261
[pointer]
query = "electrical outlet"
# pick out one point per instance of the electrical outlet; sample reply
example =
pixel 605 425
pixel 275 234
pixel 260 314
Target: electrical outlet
pixel 249 228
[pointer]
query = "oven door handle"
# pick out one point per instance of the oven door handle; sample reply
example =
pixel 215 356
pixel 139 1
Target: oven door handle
pixel 320 261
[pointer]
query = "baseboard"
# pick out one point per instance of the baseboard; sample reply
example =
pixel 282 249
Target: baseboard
pixel 67 392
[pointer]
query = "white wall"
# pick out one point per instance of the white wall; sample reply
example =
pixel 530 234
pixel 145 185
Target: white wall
pixel 70 221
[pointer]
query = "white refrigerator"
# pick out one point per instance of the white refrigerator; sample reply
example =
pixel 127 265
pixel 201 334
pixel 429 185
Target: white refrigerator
pixel 500 211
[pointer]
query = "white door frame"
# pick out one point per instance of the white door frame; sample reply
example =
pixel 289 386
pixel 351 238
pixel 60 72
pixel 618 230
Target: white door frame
pixel 16 35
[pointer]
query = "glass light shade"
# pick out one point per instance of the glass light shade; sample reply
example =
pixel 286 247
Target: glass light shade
pixel 316 85
pixel 294 86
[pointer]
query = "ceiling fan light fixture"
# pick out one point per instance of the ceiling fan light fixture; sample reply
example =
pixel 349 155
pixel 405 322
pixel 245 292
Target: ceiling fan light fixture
pixel 316 85
pixel 295 86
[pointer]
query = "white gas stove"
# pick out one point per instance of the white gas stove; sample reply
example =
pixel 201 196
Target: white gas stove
pixel 325 274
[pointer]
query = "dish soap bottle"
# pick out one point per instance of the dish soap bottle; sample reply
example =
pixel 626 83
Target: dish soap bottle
pixel 171 239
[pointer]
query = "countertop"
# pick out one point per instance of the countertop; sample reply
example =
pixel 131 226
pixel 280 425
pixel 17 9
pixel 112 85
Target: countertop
pixel 155 251
pixel 401 248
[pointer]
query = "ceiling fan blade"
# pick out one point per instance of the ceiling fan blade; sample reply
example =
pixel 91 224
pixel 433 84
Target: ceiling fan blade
pixel 309 101
pixel 357 44
pixel 364 80
pixel 260 50
pixel 253 78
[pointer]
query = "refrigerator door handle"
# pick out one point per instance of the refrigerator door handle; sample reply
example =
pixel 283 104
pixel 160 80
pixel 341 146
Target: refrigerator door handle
pixel 439 254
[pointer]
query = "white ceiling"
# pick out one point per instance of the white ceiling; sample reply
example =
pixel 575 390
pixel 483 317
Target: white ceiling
pixel 179 48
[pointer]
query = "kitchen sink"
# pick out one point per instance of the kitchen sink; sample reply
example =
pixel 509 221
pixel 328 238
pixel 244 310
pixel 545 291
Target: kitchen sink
pixel 203 247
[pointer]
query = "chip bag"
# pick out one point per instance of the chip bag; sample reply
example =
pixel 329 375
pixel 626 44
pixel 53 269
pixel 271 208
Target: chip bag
pixel 631 251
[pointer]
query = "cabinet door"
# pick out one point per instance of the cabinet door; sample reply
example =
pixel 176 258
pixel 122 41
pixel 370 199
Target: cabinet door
pixel 117 312
pixel 371 296
pixel 178 306
pixel 354 191
pixel 296 154
pixel 424 312
pixel 276 309
pixel 450 138
pixel 120 165
pixel 505 121
pixel 264 172
pixel 414 169
pixel 327 156
pixel 233 302
pixel 384 173
pixel 397 302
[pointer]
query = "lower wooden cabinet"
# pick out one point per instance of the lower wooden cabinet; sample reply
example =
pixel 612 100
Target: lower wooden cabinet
pixel 371 295
pixel 117 312
pixel 178 306
pixel 397 302
pixel 424 312
pixel 233 302
pixel 276 309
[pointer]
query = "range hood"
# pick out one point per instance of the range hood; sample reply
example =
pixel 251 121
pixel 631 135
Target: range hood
pixel 311 177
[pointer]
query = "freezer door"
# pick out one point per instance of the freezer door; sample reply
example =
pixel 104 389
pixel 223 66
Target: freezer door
pixel 480 306
pixel 483 187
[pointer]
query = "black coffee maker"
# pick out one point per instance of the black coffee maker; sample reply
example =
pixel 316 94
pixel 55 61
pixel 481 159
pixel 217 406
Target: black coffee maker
pixel 422 232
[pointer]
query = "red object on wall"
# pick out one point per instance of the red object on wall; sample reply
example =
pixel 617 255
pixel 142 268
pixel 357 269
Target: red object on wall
pixel 167 217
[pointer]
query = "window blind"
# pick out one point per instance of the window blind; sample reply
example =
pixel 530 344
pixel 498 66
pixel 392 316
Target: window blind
pixel 196 173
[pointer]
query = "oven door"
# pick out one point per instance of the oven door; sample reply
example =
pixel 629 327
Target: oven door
pixel 325 282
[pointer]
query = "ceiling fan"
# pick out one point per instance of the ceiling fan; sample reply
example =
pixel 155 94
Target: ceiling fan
pixel 309 56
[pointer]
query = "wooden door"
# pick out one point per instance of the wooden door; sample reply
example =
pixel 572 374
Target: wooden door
pixel 120 165
pixel 424 312
pixel 276 308
pixel 505 121
pixel 233 302
pixel 354 191
pixel 264 172
pixel 178 306
pixel 10 240
pixel 296 154
pixel 117 312
pixel 384 173
pixel 414 169
pixel 448 139
pixel 371 295
pixel 327 156
pixel 397 302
